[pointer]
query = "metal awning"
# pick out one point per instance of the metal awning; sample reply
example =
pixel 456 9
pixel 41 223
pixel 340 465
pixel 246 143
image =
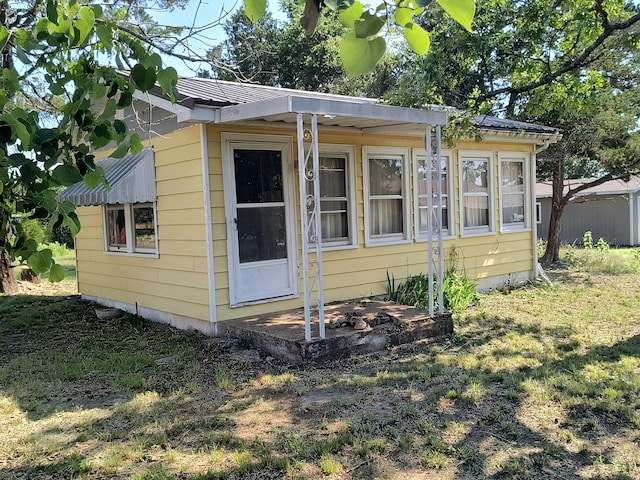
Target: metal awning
pixel 132 179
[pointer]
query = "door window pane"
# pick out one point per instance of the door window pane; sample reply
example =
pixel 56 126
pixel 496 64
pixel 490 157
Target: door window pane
pixel 262 233
pixel 258 176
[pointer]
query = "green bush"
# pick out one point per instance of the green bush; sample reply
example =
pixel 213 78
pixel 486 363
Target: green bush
pixel 459 292
pixel 33 229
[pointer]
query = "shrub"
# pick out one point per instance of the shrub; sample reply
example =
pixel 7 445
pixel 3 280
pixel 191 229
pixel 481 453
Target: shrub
pixel 459 291
pixel 33 229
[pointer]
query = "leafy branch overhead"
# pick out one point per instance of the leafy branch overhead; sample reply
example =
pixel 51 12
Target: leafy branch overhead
pixel 364 44
pixel 58 104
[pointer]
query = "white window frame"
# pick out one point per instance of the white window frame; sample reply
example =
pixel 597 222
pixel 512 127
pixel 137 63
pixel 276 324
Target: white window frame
pixel 349 151
pixel 523 158
pixel 419 155
pixel 482 155
pixel 129 248
pixel 368 153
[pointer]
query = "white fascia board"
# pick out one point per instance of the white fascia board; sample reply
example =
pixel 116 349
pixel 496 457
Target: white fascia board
pixel 182 113
pixel 337 108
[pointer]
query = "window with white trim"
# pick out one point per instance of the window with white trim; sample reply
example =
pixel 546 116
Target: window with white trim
pixel 131 228
pixel 421 208
pixel 476 185
pixel 386 186
pixel 337 196
pixel 513 191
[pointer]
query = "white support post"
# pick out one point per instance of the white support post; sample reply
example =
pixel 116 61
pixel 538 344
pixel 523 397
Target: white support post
pixel 433 149
pixel 311 225
pixel 429 168
pixel 439 193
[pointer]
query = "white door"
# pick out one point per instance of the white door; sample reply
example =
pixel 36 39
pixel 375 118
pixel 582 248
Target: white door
pixel 260 220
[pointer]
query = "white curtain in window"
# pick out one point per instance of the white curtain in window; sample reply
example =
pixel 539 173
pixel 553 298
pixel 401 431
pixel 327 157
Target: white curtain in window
pixel 385 196
pixel 475 193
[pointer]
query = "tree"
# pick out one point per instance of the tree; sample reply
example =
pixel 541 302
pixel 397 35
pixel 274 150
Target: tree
pixel 50 59
pixel 279 54
pixel 569 64
pixel 363 43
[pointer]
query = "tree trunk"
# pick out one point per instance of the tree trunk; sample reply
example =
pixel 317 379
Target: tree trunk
pixel 552 253
pixel 8 283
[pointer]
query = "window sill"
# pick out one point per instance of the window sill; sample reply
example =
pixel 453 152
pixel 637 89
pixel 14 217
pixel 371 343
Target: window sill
pixel 383 242
pixel 515 229
pixel 331 248
pixel 480 233
pixel 424 239
pixel 132 254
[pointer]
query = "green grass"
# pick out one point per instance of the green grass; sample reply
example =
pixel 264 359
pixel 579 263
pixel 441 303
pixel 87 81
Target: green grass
pixel 535 380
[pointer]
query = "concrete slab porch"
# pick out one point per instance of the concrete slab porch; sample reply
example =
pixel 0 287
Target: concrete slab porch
pixel 281 334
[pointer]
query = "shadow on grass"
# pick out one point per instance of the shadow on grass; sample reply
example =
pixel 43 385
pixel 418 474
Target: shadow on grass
pixel 134 399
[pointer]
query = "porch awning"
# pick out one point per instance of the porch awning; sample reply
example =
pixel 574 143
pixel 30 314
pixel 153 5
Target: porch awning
pixel 132 179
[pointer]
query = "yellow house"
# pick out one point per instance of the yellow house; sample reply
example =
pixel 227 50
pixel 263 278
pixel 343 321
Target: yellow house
pixel 216 218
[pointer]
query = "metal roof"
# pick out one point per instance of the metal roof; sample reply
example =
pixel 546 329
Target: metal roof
pixel 132 179
pixel 612 187
pixel 219 101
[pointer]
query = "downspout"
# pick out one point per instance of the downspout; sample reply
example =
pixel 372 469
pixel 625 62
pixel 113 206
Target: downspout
pixel 206 191
pixel 538 270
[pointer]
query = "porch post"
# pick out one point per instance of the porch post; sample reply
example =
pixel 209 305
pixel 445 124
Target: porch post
pixel 439 193
pixel 432 147
pixel 311 225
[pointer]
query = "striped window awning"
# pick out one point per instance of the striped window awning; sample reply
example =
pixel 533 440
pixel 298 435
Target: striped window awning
pixel 132 179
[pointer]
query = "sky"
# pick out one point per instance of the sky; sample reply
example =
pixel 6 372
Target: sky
pixel 201 13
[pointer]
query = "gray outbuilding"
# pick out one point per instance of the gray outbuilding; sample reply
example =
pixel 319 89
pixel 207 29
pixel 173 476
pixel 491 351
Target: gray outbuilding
pixel 610 211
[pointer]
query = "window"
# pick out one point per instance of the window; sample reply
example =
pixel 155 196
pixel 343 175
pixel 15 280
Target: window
pixel 420 193
pixel 538 212
pixel 513 191
pixel 337 190
pixel 476 187
pixel 131 228
pixel 386 188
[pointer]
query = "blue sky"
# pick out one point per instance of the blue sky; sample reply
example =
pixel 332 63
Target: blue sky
pixel 200 13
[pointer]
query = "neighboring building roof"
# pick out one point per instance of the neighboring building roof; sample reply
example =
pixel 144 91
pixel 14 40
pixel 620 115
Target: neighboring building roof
pixel 132 179
pixel 219 101
pixel 612 187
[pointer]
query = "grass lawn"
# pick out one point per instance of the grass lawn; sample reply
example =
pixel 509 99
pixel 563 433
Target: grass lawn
pixel 540 382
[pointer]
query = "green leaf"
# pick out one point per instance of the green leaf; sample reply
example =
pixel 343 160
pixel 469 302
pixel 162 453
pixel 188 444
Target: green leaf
pixel 4 36
pixel 52 11
pixel 254 9
pixel 360 55
pixel 121 151
pixel 136 144
pixel 11 81
pixel 94 179
pixel 349 16
pixel 462 11
pixel 143 78
pixel 71 220
pixel 403 16
pixel 368 25
pixel 417 38
pixel 66 175
pixel 56 273
pixel 84 24
pixel 104 35
pixel 40 261
pixel 168 78
pixel 109 109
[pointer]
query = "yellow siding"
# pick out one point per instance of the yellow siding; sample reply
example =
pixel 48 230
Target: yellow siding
pixel 361 271
pixel 175 282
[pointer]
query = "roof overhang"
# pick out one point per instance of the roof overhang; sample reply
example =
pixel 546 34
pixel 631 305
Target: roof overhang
pixel 362 114
pixel 131 179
